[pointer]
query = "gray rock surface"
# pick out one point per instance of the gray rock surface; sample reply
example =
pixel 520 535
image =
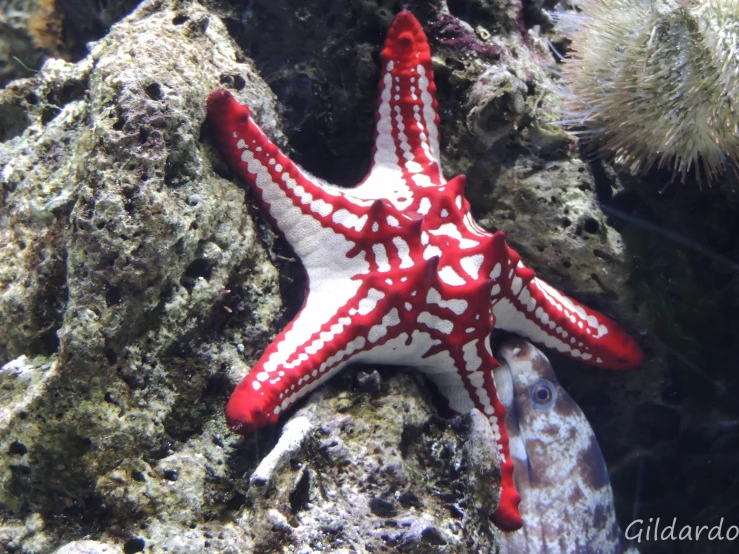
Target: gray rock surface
pixel 119 244
pixel 380 472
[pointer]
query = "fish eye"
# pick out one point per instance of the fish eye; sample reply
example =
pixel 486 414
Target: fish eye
pixel 543 394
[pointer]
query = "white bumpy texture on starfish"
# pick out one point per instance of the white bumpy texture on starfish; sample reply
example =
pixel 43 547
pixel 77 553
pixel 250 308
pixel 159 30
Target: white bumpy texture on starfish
pixel 398 272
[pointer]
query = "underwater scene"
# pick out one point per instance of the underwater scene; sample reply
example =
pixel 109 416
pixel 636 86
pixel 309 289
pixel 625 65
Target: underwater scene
pixel 369 276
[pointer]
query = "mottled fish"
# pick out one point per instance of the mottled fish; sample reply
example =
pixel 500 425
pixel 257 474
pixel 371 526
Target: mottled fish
pixel 566 497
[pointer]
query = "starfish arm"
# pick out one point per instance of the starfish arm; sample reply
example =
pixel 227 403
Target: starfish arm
pixel 302 207
pixel 316 345
pixel 342 320
pixel 406 153
pixel 530 307
pixel 471 385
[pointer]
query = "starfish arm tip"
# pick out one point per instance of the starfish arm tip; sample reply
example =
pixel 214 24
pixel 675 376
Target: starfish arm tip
pixel 217 97
pixel 507 517
pixel 248 409
pixel 625 352
pixel 220 105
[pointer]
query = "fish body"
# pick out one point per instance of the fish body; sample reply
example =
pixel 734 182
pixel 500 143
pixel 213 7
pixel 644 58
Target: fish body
pixel 566 497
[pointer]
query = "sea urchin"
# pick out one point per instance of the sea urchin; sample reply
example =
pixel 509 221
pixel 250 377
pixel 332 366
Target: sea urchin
pixel 657 81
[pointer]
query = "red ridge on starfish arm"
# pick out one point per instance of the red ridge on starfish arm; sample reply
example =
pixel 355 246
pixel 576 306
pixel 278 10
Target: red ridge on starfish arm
pixel 398 272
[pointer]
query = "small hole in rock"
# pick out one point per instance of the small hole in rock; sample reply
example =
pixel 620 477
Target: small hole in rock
pixel 239 82
pixel 17 449
pixel 113 296
pixel 134 545
pixel 49 113
pixel 154 91
pixel 591 226
pixel 198 268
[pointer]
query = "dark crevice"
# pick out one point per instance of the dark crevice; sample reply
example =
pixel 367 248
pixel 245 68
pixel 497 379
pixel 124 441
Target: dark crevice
pixel 15 121
pixel 300 495
pixel 197 269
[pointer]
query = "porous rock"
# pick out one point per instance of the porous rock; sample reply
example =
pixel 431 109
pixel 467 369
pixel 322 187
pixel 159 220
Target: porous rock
pixel 122 249
pixel 380 472
pixel 483 462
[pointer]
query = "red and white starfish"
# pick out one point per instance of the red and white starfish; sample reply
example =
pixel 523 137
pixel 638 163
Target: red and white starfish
pixel 398 271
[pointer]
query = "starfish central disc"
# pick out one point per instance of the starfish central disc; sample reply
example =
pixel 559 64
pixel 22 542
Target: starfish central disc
pixel 398 271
